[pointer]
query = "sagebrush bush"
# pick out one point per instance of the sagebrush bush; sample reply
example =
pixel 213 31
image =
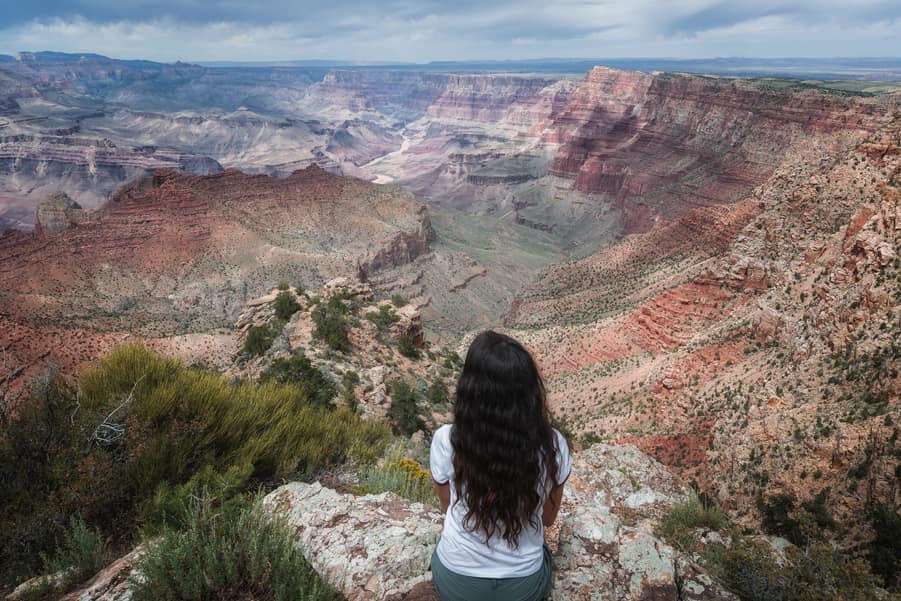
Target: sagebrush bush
pixel 241 553
pixel 82 552
pixel 684 518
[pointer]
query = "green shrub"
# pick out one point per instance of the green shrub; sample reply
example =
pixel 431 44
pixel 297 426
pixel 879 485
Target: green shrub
pixel 170 505
pixel 404 410
pixel 437 393
pixel 330 324
pixel 777 517
pixel 406 347
pixel 243 553
pixel 885 549
pixel 398 300
pixel 40 451
pixel 680 523
pixel 82 553
pixel 349 380
pixel 161 424
pixel 818 573
pixel 749 570
pixel 286 305
pixel 258 340
pixel 299 370
pixel 383 318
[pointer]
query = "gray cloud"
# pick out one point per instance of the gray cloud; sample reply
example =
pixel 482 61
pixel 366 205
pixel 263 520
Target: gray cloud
pixel 423 30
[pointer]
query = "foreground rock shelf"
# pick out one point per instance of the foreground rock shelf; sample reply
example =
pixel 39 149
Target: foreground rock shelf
pixel 377 547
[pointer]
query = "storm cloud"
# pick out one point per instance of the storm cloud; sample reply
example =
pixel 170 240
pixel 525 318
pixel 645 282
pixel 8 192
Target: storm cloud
pixel 426 30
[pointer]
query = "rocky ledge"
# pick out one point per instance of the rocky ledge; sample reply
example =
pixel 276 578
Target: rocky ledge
pixel 377 547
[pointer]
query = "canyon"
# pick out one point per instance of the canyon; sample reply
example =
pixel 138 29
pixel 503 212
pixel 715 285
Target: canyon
pixel 705 267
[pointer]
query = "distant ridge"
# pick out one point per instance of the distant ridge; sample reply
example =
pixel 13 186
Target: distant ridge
pixel 49 56
pixel 886 69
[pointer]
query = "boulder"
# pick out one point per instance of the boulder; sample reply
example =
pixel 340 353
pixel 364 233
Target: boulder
pixel 369 547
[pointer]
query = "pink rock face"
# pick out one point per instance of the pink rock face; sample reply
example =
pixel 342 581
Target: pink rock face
pixel 672 142
pixel 484 98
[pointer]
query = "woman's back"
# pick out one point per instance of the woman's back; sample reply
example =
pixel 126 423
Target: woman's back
pixel 466 551
pixel 499 472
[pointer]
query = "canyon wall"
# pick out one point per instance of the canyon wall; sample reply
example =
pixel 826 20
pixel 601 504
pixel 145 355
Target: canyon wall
pixel 751 346
pixel 658 145
pixel 175 254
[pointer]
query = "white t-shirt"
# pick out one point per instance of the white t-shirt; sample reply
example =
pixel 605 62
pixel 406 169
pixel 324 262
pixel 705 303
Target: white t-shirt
pixel 464 551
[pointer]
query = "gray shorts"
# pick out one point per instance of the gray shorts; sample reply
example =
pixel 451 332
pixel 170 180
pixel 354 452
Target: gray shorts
pixel 456 587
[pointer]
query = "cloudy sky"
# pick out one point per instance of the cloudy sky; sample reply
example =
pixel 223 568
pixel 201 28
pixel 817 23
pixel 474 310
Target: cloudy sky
pixel 427 30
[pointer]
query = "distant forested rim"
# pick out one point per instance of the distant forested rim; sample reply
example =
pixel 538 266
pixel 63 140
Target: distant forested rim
pixel 129 443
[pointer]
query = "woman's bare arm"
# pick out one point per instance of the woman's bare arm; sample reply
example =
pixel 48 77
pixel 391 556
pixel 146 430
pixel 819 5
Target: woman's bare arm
pixel 443 492
pixel 552 506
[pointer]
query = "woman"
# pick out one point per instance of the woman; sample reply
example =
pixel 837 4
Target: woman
pixel 499 471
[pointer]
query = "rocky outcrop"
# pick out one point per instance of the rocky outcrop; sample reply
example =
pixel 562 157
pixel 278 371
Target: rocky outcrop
pixel 404 248
pixel 57 214
pixel 484 179
pixel 397 93
pixel 379 546
pixel 484 98
pixel 448 96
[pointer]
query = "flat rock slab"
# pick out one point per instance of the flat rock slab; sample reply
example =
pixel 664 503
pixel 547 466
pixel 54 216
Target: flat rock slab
pixel 369 547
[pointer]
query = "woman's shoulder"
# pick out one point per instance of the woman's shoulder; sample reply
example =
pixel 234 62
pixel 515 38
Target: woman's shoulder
pixel 443 432
pixel 441 438
pixel 561 440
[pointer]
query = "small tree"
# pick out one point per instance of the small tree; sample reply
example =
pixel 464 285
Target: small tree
pixel 383 318
pixel 437 393
pixel 330 321
pixel 404 410
pixel 300 371
pixel 286 305
pixel 398 300
pixel 258 340
pixel 406 347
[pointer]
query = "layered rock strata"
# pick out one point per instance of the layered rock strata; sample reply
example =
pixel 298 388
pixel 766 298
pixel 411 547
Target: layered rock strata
pixel 754 346
pixel 174 254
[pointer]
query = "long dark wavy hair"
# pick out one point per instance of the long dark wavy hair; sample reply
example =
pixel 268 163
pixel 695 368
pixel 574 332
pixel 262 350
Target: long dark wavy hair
pixel 505 450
